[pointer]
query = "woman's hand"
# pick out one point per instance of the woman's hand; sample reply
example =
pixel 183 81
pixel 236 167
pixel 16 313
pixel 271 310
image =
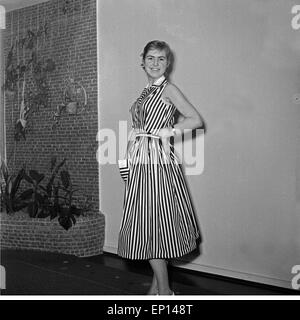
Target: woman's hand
pixel 165 133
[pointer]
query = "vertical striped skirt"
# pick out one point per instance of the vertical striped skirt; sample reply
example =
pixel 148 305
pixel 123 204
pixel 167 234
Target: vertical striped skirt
pixel 158 218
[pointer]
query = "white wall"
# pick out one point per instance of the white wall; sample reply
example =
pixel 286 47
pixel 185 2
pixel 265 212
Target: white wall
pixel 237 62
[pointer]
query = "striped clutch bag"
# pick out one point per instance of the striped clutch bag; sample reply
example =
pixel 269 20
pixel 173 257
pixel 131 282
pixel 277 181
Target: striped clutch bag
pixel 124 164
pixel 124 168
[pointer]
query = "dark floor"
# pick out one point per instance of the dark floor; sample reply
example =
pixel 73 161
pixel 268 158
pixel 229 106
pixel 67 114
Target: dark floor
pixel 44 273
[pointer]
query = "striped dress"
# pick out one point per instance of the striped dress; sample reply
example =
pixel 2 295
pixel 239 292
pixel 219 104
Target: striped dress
pixel 158 219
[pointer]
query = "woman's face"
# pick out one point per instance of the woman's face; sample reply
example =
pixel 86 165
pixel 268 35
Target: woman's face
pixel 155 63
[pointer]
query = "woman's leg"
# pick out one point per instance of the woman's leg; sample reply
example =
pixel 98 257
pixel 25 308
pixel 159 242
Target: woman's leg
pixel 160 270
pixel 153 289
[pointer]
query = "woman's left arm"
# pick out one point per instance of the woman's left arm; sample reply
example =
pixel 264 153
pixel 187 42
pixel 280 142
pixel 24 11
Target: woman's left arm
pixel 191 117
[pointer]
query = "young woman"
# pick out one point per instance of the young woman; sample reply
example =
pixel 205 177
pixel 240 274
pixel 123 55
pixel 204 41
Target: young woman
pixel 158 221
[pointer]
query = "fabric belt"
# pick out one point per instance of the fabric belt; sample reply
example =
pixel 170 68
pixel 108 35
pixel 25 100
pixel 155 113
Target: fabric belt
pixel 147 135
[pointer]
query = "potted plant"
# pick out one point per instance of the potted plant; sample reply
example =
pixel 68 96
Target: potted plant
pixel 49 215
pixel 56 199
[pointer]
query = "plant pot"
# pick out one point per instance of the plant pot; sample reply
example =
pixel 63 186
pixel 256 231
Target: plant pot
pixel 84 239
pixel 71 107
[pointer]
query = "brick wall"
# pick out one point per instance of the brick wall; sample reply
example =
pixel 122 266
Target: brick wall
pixel 71 41
pixel 85 238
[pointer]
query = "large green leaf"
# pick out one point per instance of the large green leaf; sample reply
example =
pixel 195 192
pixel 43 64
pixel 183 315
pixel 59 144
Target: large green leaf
pixel 75 211
pixel 43 213
pixel 32 209
pixel 55 170
pixel 28 179
pixel 39 198
pixel 20 206
pixel 27 194
pixel 43 188
pixel 65 222
pixel 9 186
pixel 17 181
pixel 53 213
pixel 4 170
pixel 37 177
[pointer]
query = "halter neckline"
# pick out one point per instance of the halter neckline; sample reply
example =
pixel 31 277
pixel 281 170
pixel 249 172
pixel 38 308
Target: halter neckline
pixel 158 82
